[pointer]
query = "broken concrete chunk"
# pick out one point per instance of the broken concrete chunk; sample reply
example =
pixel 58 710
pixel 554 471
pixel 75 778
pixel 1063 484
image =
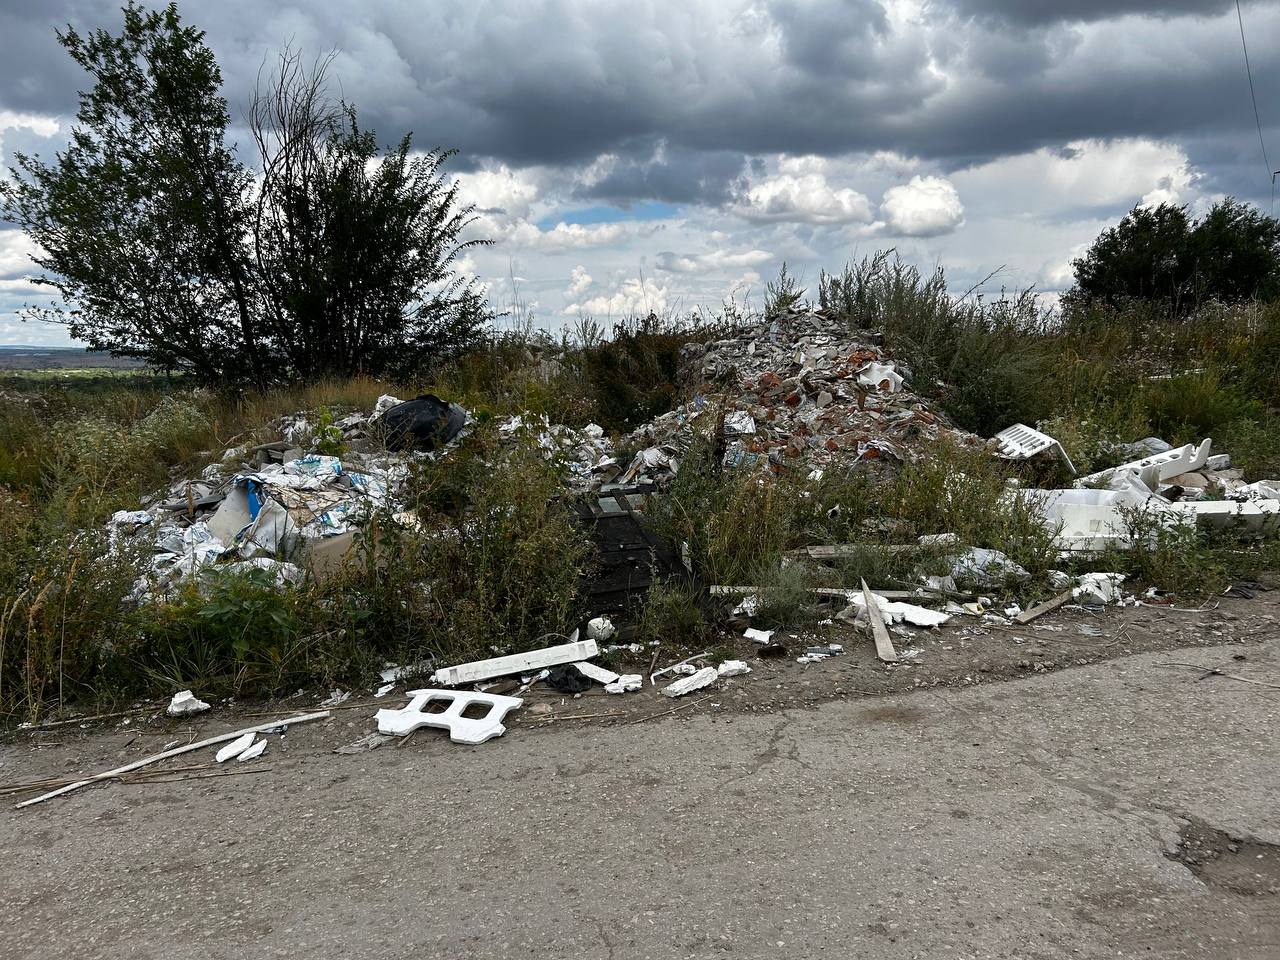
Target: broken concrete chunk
pixel 759 636
pixel 253 752
pixel 697 681
pixel 185 702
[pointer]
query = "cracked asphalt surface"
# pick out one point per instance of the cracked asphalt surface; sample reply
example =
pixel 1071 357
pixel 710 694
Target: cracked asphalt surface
pixel 1029 819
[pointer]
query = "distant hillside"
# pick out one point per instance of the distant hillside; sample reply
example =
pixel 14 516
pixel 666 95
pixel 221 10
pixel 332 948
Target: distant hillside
pixel 62 358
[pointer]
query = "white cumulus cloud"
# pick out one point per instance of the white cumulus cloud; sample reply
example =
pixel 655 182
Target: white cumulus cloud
pixel 804 195
pixel 715 260
pixel 630 297
pixel 922 207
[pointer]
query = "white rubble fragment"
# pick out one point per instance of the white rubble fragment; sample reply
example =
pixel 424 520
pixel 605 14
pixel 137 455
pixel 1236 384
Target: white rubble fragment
pixel 697 681
pixel 185 702
pixel 253 752
pixel 880 376
pixel 627 683
pixel 732 668
pixel 759 636
pixel 1099 589
pixel 383 690
pixel 740 423
pixel 600 629
pixel 236 747
pixel 596 673
pixel 336 697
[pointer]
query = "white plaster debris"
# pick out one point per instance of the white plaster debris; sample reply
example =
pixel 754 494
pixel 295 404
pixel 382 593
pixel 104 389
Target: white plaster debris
pixel 704 677
pixel 253 752
pixel 335 698
pixel 185 702
pixel 596 673
pixel 759 636
pixel 732 668
pixel 402 722
pixel 600 629
pixel 235 747
pixel 627 683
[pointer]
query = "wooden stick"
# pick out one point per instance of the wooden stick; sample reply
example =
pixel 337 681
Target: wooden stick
pixel 884 645
pixel 210 742
pixel 96 716
pixel 579 716
pixel 1053 603
pixel 49 782
pixel 654 716
pixel 1215 672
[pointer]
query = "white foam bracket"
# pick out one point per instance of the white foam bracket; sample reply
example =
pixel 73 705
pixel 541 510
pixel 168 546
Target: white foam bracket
pixel 517 663
pixel 1020 442
pixel 402 722
pixel 1151 470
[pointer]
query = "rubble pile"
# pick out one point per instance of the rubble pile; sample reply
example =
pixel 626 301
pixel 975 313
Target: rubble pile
pixel 803 391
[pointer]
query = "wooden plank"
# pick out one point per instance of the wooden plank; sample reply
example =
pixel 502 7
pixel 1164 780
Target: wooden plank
pixel 517 663
pixel 884 646
pixel 1053 603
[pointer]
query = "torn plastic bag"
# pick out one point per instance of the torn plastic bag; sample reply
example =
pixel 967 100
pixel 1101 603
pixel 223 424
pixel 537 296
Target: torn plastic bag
pixel 425 423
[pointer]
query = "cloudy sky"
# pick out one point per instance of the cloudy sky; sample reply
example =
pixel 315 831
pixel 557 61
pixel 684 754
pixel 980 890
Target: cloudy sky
pixel 667 154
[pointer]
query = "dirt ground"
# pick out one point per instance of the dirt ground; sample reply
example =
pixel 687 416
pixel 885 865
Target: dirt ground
pixel 1124 808
pixel 965 652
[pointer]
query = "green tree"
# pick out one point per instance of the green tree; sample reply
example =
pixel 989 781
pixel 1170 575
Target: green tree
pixel 356 246
pixel 340 257
pixel 141 217
pixel 1159 253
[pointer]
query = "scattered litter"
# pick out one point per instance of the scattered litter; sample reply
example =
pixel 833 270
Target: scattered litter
pixel 253 752
pixel 567 678
pixel 335 698
pixel 383 690
pixel 462 729
pixel 185 702
pixel 370 741
pixel 818 654
pixel 166 754
pixel 676 667
pixel 697 681
pixel 759 636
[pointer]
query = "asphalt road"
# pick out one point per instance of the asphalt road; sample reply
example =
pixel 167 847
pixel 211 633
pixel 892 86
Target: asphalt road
pixel 1027 819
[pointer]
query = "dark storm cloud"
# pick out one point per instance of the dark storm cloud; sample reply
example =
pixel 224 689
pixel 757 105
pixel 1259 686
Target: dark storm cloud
pixel 1037 12
pixel 559 82
pixel 675 175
